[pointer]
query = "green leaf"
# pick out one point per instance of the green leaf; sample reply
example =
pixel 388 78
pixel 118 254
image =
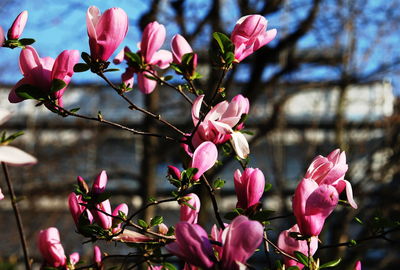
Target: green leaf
pixel 188 204
pixel 57 85
pixel 301 257
pixel 196 75
pixel 11 137
pixel 358 220
pixel 86 57
pixel 352 243
pixel 150 77
pixel 122 215
pixel 186 58
pixel 224 43
pixel 267 187
pixel 27 91
pixel 74 110
pixel 219 183
pixel 134 57
pixel 26 41
pixel 143 223
pixel 177 67
pixel 156 221
pixel 168 266
pixel 111 70
pixel 81 67
pixel 331 263
pixel 229 57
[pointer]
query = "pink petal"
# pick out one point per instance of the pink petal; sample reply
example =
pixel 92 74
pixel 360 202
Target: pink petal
pixel 16 157
pixel 196 109
pixel 18 26
pixel 240 144
pixel 179 47
pixel 204 158
pixel 146 86
pixel 161 58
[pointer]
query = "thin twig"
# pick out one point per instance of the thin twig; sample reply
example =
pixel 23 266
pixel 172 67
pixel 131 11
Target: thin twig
pixel 280 250
pixel 216 91
pixel 214 202
pixel 17 216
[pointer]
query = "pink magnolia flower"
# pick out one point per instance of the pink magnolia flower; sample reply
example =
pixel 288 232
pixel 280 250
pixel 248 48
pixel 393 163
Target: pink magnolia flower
pixel 312 204
pixel 152 39
pixel 239 241
pixel 180 47
pixel 51 248
pixel 192 245
pixel 290 245
pixel 204 158
pixel 249 187
pixel 97 257
pixel 103 217
pixel 219 122
pixel 76 209
pixel 330 170
pixel 40 72
pixel 99 185
pixel 357 266
pixel 123 207
pixel 249 35
pixel 106 32
pixel 18 26
pixel 188 214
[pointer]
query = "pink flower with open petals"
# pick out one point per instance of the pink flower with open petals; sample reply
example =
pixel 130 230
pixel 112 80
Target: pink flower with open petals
pixel 330 170
pixel 40 72
pixel 219 122
pixel 106 31
pixel 290 245
pixel 18 26
pixel 249 35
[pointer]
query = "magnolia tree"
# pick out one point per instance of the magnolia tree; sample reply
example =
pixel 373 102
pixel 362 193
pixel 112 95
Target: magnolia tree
pixel 218 129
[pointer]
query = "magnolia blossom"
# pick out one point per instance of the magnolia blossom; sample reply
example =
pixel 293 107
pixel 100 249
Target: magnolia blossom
pixel 249 187
pixel 77 209
pixel 149 49
pixel 40 72
pixel 204 158
pixel 106 32
pixel 239 241
pixel 330 170
pixel 312 204
pixel 187 213
pixel 290 245
pixel 219 122
pixel 51 248
pixel 249 35
pixel 18 26
pixel 180 47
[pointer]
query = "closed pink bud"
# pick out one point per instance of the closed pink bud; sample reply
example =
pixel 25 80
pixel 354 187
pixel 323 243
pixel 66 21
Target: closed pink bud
pixel 312 204
pixel 290 245
pixel 163 229
pixel 357 266
pixel 74 258
pixel 249 35
pixel 1 195
pixel 106 32
pixel 97 256
pixel 330 170
pixel 249 187
pixel 240 240
pixel 51 248
pixel 192 245
pixel 204 158
pixel 103 217
pixel 123 207
pixel 75 207
pixel 132 237
pixel 152 39
pixel 188 214
pixel 18 26
pixel 180 47
pixel 99 185
pixel 174 172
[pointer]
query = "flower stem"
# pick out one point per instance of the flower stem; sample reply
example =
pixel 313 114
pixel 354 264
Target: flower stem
pixel 17 215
